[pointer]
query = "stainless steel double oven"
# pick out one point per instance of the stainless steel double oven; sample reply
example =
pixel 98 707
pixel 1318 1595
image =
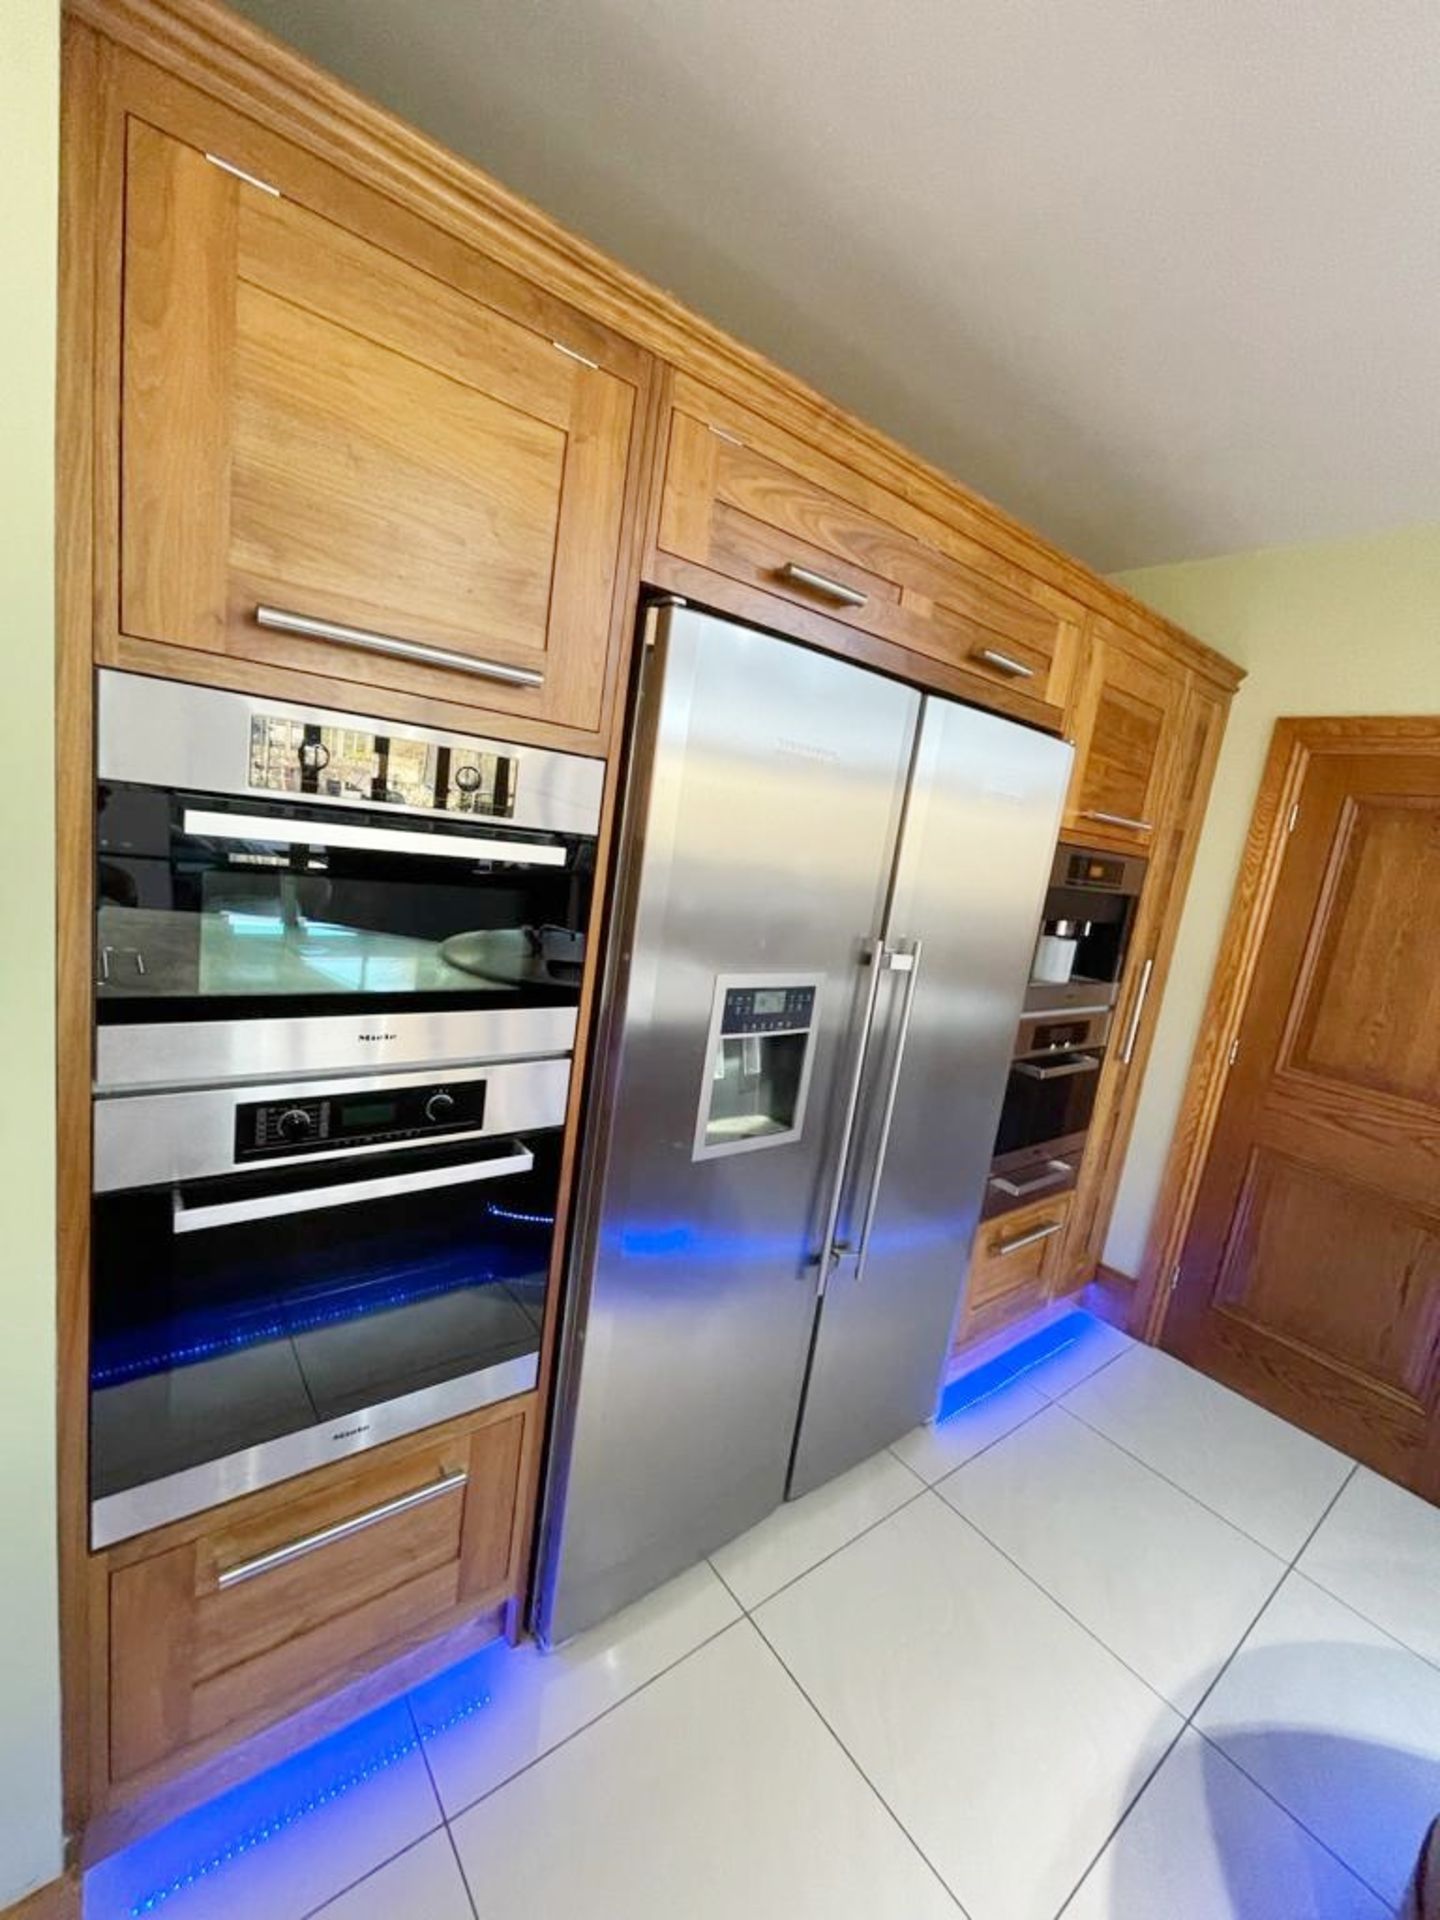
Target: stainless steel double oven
pixel 338 964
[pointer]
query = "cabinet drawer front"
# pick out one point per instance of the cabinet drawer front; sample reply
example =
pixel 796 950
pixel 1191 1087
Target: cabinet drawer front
pixel 316 425
pixel 745 512
pixel 244 1623
pixel 1017 1251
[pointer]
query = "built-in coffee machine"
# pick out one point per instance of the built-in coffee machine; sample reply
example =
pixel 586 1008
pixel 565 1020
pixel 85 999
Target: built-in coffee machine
pixel 1080 954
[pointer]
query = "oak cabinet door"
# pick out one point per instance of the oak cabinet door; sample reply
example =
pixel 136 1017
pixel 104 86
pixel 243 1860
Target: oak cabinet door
pixel 1126 720
pixel 314 424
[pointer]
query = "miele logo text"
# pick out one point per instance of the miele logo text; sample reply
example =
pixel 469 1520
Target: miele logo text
pixel 349 1433
pixel 375 1036
pixel 805 750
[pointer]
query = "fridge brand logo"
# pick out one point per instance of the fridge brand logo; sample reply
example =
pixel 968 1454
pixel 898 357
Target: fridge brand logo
pixel 803 750
pixel 375 1036
pixel 350 1433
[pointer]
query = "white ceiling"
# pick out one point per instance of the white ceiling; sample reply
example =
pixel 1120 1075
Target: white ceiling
pixel 1162 277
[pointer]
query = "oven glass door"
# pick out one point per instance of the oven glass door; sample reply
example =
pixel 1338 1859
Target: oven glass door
pixel 210 907
pixel 237 1311
pixel 1048 1097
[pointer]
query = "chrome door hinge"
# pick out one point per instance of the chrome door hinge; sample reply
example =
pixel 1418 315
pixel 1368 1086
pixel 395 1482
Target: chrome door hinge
pixel 571 354
pixel 1234 1052
pixel 1294 816
pixel 250 179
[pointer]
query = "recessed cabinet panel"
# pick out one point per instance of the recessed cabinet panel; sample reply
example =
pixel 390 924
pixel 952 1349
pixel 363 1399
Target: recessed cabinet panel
pixel 1126 710
pixel 315 425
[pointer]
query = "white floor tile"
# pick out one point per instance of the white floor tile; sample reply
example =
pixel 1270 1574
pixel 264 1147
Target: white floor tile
pixel 712 1794
pixel 424 1883
pixel 1204 1843
pixel 1257 1471
pixel 1084 1345
pixel 487 1719
pixel 1341 1725
pixel 797 1535
pixel 1379 1550
pixel 1157 1577
pixel 935 1450
pixel 1005 1739
pixel 311 1857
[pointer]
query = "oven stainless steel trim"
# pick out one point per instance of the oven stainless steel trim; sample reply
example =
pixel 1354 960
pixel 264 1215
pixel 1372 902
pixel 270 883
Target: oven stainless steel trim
pixel 390 1186
pixel 190 1053
pixel 168 1139
pixel 118 1516
pixel 169 733
pixel 278 832
pixel 1059 1069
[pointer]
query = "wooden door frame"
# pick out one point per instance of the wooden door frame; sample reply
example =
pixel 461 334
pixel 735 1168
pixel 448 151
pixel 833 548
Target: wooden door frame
pixel 1294 744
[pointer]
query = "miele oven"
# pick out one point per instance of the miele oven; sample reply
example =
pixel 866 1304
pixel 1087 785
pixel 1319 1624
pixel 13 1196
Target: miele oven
pixel 282 887
pixel 1049 1100
pixel 284 1274
pixel 338 966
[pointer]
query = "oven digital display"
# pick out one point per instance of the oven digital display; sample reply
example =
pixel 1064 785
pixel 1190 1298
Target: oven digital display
pixel 367 1116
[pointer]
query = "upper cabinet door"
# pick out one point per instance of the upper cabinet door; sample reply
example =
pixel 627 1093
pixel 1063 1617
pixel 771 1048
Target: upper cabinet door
pixel 314 423
pixel 1125 723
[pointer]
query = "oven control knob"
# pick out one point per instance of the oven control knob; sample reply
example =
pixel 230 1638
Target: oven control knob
pixel 439 1107
pixel 295 1124
pixel 467 777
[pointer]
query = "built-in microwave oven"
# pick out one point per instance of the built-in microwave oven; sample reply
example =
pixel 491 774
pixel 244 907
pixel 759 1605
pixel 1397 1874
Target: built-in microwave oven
pixel 282 887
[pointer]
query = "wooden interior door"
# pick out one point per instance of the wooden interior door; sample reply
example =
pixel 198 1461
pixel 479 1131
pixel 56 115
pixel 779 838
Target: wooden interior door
pixel 314 423
pixel 1310 1275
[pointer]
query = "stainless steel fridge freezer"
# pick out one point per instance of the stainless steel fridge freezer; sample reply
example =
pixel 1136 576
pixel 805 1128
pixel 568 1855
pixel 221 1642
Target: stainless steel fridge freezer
pixel 827 896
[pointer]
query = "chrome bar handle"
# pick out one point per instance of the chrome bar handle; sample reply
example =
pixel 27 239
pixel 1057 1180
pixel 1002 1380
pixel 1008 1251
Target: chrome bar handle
pixel 1028 1239
pixel 272 830
pixel 1134 1029
pixel 1118 820
pixel 280 620
pixel 822 583
pixel 342 1530
pixel 1004 663
pixel 874 951
pixel 1056 1171
pixel 898 962
pixel 1087 1063
pixel 390 1186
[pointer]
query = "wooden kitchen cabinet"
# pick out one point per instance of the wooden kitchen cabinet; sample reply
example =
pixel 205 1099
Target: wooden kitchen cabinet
pixel 254 1609
pixel 1124 719
pixel 756 506
pixel 1014 1266
pixel 332 413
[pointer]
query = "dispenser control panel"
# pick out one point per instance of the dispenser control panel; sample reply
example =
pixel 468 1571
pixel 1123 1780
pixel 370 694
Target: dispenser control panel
pixel 758 1057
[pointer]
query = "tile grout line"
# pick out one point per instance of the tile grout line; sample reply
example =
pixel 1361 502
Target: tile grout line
pixel 1023 1421
pixel 318 1912
pixel 1125 1814
pixel 870 1525
pixel 594 1720
pixel 440 1803
pixel 779 1660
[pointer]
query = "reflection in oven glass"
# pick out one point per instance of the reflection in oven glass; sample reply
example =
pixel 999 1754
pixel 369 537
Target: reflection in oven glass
pixel 209 1342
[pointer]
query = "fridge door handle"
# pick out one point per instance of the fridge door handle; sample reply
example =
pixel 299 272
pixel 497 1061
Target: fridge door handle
pixel 873 953
pixel 905 961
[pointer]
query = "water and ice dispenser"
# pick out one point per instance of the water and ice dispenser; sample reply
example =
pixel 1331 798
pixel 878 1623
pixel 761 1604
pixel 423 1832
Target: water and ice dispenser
pixel 758 1060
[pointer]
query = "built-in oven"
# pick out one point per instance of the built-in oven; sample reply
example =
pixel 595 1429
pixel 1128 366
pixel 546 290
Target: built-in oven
pixel 287 1273
pixel 285 888
pixel 1081 950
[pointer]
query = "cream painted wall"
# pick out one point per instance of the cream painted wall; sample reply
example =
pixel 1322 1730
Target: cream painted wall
pixel 30 1845
pixel 1348 627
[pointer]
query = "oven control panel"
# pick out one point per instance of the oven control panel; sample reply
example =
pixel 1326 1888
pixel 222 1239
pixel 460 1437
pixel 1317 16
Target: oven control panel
pixel 278 1128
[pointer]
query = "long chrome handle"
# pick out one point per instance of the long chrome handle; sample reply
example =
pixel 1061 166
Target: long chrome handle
pixel 1087 1063
pixel 822 583
pixel 1004 663
pixel 1134 1029
pixel 907 962
pixel 1002 1247
pixel 333 833
pixel 1118 820
pixel 268 1206
pixel 342 1530
pixel 281 620
pixel 873 951
pixel 1056 1170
